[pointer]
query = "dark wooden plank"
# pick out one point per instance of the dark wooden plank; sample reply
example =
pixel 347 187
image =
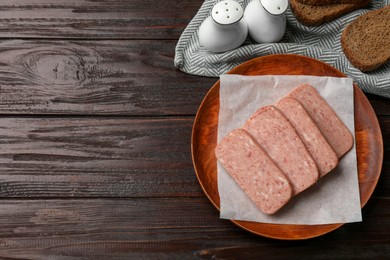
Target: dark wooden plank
pixel 96 157
pixel 107 157
pixel 102 77
pixel 383 186
pixel 381 105
pixel 109 19
pixel 175 228
pixel 96 77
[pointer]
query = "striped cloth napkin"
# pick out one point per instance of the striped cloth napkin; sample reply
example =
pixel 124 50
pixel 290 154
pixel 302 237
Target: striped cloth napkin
pixel 319 42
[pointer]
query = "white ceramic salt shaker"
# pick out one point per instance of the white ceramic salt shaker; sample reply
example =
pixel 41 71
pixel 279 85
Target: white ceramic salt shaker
pixel 224 29
pixel 266 20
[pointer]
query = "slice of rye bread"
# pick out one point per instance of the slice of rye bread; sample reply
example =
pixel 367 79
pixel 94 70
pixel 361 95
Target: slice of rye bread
pixel 329 2
pixel 366 40
pixel 316 15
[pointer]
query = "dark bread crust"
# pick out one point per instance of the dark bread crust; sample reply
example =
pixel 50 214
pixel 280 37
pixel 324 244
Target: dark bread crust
pixel 329 2
pixel 366 41
pixel 316 15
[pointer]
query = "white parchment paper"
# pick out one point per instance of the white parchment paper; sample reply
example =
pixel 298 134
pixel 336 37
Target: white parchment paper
pixel 335 198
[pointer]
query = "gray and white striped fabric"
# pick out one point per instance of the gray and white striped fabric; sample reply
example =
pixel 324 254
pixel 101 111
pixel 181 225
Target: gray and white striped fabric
pixel 319 42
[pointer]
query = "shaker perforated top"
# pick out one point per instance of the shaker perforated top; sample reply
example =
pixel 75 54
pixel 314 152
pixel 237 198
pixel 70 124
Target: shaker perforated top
pixel 227 12
pixel 275 7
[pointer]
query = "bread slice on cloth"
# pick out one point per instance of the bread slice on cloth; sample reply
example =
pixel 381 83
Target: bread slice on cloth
pixel 311 15
pixel 329 2
pixel 366 40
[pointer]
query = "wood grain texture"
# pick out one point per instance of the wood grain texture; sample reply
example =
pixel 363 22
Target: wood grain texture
pixel 103 19
pixel 156 229
pixel 107 157
pixel 95 133
pixel 381 105
pixel 96 77
pixel 96 157
pixel 101 78
pixel 383 186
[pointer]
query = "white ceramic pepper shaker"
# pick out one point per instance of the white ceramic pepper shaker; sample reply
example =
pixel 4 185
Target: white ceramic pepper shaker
pixel 266 20
pixel 224 29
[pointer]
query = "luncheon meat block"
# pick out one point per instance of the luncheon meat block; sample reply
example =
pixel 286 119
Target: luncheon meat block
pixel 279 139
pixel 315 142
pixel 254 171
pixel 333 129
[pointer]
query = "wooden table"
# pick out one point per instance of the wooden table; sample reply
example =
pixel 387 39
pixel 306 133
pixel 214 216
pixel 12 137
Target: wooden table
pixel 95 155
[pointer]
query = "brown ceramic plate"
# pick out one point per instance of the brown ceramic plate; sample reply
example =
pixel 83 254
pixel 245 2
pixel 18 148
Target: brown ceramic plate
pixel 369 144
